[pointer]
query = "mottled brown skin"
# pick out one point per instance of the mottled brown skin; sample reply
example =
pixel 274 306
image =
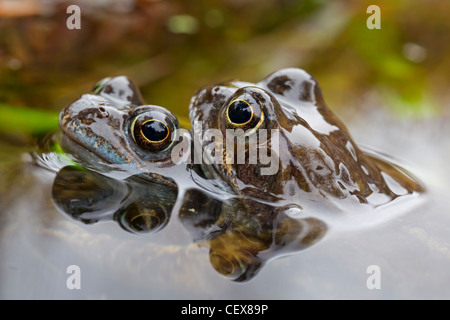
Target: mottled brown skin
pixel 96 129
pixel 317 156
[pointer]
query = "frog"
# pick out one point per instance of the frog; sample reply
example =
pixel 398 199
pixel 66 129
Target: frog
pixel 113 131
pixel 113 128
pixel 316 157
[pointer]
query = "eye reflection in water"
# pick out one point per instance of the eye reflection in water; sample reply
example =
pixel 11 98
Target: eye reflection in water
pixel 90 197
pixel 241 234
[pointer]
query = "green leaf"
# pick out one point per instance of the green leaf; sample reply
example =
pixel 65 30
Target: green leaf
pixel 26 121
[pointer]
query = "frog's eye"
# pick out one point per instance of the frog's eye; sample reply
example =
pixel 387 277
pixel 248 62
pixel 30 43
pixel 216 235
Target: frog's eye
pixel 244 113
pixel 153 131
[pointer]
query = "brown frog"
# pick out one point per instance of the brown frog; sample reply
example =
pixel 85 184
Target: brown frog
pixel 312 151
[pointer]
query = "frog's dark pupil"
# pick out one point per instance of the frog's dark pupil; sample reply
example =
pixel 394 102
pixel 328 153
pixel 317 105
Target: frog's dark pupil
pixel 154 130
pixel 239 112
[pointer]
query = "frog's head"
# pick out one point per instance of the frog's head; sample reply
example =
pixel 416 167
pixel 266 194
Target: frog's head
pixel 311 150
pixel 114 126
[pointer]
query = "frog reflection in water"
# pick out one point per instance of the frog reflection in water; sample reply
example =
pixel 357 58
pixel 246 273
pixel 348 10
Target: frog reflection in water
pixel 321 174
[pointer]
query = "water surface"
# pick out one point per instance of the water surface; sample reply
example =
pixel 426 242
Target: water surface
pixel 411 249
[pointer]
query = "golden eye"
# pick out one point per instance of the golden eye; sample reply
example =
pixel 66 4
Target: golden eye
pixel 244 113
pixel 153 131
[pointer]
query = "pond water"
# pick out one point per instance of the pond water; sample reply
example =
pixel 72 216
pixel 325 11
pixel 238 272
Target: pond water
pixel 412 250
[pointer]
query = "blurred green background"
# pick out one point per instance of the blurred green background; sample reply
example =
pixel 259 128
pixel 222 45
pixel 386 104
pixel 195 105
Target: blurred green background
pixel 172 48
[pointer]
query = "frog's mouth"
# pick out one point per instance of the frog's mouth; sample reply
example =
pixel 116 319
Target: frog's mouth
pixel 80 152
pixel 88 158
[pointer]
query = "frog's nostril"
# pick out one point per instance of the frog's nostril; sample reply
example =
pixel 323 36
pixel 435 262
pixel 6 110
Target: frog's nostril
pixel 102 113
